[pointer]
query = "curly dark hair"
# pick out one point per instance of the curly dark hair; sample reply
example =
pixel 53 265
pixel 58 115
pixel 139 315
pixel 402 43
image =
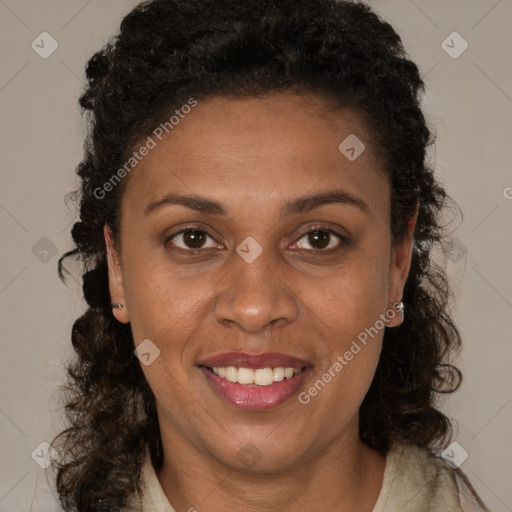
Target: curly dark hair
pixel 171 50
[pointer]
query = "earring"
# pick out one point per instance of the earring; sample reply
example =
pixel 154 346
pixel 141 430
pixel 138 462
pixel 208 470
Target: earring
pixel 117 305
pixel 399 308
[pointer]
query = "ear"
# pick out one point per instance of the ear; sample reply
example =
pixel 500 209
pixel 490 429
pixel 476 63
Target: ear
pixel 401 255
pixel 115 278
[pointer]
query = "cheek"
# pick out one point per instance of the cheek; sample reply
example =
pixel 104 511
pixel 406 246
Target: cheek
pixel 353 297
pixel 160 303
pixel 175 404
pixel 348 363
pixel 350 304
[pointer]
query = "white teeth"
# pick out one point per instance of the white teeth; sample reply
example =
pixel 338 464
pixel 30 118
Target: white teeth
pixel 259 376
pixel 263 376
pixel 231 374
pixel 245 376
pixel 278 374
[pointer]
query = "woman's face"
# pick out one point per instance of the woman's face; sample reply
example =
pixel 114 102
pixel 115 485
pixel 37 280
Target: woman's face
pixel 252 276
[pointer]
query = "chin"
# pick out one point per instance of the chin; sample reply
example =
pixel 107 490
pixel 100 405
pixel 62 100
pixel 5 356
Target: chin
pixel 256 454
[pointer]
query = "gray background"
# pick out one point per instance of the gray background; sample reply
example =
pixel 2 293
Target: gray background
pixel 468 104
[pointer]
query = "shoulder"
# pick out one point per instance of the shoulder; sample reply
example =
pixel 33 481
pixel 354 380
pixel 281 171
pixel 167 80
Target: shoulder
pixel 469 499
pixel 416 480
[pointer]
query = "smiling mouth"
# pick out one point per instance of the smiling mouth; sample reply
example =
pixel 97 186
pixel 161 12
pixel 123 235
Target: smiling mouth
pixel 254 389
pixel 254 377
pixel 254 382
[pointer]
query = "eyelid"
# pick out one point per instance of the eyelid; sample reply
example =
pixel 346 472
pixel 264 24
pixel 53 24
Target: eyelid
pixel 317 227
pixel 169 238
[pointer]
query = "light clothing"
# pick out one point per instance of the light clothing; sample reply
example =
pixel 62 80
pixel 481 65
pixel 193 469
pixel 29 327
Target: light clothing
pixel 414 481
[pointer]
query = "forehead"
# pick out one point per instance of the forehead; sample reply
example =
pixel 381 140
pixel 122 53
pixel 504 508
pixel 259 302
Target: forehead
pixel 255 152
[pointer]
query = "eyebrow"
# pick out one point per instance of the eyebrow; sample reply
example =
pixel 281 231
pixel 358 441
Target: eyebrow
pixel 298 205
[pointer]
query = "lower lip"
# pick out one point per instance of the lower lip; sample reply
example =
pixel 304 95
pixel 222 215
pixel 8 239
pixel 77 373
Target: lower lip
pixel 255 398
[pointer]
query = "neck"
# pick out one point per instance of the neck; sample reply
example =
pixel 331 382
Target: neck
pixel 346 475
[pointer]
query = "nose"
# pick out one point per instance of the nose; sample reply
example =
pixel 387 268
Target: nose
pixel 255 295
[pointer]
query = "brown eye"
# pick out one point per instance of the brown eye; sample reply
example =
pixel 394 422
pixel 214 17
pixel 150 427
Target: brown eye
pixel 320 239
pixel 191 238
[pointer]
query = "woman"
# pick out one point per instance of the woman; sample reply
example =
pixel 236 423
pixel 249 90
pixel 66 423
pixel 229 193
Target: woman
pixel 265 329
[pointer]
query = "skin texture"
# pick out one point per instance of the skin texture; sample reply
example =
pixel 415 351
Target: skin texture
pixel 253 155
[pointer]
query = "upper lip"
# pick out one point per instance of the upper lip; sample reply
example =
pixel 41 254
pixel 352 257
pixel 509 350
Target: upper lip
pixel 248 360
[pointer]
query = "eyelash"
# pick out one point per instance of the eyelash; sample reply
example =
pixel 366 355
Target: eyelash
pixel 343 239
